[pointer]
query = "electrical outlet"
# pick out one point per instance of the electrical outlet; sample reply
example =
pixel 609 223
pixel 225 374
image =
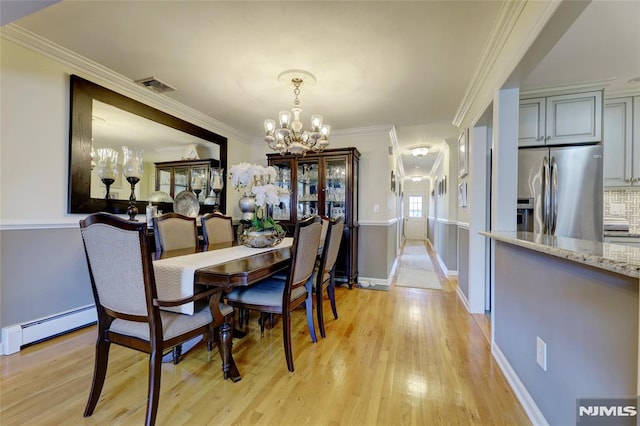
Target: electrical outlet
pixel 541 353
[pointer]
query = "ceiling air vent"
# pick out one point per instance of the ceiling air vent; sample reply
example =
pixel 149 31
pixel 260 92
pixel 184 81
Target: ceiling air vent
pixel 155 85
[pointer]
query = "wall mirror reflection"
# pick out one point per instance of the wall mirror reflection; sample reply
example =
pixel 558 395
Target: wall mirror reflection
pixel 103 121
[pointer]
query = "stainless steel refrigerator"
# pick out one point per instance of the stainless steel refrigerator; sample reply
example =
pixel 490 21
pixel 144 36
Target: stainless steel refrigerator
pixel 560 191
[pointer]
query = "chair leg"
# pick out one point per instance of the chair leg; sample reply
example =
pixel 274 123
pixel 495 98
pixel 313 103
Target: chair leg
pixel 155 369
pixel 320 314
pixel 262 321
pixel 331 292
pixel 177 351
pixel 308 303
pixel 99 374
pixel 286 337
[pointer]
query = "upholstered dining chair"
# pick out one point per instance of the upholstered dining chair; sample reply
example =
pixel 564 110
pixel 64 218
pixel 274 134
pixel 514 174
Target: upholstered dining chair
pixel 174 231
pixel 273 295
pixel 326 270
pixel 124 289
pixel 217 228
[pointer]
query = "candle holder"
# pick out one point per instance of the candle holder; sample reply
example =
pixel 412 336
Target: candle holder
pixel 132 169
pixel 216 186
pixel 107 167
pixel 132 210
pixel 197 182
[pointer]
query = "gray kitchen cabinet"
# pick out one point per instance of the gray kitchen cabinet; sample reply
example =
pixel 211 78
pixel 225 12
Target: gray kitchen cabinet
pixel 574 118
pixel 622 142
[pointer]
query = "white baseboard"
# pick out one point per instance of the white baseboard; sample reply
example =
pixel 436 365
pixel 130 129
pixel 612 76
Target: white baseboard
pixel 463 299
pixel 529 405
pixel 368 282
pixel 442 265
pixel 17 335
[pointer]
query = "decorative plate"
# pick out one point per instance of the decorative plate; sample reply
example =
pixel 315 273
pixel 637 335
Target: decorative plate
pixel 160 197
pixel 187 204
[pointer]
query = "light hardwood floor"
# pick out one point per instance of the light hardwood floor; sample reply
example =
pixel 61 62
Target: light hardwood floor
pixel 403 357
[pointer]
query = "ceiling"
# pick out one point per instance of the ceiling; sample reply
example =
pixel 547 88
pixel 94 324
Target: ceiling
pixel 392 63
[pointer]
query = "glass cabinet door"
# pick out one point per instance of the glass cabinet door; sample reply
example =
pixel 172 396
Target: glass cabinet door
pixel 181 180
pixel 283 180
pixel 164 181
pixel 335 181
pixel 308 188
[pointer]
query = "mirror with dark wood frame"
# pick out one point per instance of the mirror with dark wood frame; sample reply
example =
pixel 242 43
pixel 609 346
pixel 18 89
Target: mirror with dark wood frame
pixel 164 137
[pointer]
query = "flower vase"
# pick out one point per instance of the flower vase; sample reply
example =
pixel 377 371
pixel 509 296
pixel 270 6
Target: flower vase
pixel 260 239
pixel 247 206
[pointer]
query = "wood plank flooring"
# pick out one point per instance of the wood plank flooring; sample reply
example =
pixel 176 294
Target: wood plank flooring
pixel 403 357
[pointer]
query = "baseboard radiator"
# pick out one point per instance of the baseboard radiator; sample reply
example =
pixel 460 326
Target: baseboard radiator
pixel 18 336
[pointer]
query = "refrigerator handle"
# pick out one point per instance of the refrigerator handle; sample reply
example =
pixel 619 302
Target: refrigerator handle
pixel 554 196
pixel 546 195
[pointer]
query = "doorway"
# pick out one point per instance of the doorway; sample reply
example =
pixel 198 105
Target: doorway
pixel 415 220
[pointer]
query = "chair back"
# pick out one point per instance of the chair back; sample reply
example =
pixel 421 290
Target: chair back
pixel 304 252
pixel 331 248
pixel 119 261
pixel 217 228
pixel 325 229
pixel 175 231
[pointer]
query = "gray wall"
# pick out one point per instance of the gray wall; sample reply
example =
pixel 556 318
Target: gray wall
pixel 587 317
pixel 447 244
pixel 431 230
pixel 377 250
pixel 47 273
pixel 463 261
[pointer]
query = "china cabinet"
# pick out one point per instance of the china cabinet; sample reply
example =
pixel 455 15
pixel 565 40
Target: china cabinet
pixel 174 177
pixel 325 184
pixel 574 118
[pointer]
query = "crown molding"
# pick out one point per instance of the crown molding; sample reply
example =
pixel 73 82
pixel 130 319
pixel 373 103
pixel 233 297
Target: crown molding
pixel 508 16
pixel 114 81
pixel 588 86
pixel 385 128
pixel 621 93
pixel 505 21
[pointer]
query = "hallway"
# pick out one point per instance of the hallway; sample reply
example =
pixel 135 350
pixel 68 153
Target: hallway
pixel 403 357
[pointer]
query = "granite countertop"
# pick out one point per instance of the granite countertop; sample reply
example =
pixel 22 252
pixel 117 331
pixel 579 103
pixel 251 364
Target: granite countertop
pixel 621 259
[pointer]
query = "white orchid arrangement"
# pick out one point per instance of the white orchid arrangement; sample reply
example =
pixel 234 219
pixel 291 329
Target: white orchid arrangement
pixel 257 180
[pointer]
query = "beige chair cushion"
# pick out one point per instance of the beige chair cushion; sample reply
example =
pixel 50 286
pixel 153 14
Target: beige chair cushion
pixel 172 324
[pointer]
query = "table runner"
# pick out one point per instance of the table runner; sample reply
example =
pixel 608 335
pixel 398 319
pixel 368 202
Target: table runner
pixel 175 275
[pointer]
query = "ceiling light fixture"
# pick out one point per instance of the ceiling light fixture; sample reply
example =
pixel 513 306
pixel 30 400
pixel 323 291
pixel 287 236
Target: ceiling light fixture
pixel 416 178
pixel 290 136
pixel 419 151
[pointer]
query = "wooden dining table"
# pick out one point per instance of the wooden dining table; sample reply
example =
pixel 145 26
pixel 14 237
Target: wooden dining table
pixel 226 275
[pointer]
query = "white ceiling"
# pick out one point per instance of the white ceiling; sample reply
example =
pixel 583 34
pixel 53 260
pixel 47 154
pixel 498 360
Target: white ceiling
pixel 405 64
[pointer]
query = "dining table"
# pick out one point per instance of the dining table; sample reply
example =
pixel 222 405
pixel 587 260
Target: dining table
pixel 224 266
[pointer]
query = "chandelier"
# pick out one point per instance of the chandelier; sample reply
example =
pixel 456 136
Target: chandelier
pixel 290 136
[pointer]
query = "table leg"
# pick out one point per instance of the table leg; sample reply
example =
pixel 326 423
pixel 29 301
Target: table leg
pixel 224 341
pixel 229 368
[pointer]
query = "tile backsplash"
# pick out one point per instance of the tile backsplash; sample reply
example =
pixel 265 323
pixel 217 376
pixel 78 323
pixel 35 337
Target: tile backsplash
pixel 631 201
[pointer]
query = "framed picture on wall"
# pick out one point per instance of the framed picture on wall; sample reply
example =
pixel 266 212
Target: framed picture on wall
pixel 463 154
pixel 462 194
